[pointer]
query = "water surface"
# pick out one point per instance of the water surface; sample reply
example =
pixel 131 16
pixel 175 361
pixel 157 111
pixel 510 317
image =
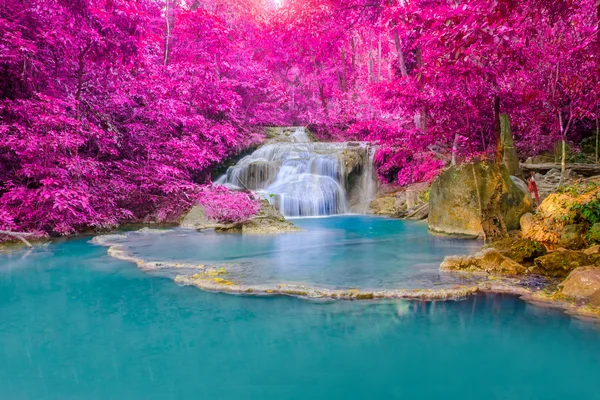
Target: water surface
pixel 78 324
pixel 337 252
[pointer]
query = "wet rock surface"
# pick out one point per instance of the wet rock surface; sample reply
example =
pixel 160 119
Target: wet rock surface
pixel 489 261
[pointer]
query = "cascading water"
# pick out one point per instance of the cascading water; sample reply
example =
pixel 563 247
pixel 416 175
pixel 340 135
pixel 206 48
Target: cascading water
pixel 300 177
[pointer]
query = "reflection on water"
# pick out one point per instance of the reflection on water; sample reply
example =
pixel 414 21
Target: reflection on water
pixel 340 252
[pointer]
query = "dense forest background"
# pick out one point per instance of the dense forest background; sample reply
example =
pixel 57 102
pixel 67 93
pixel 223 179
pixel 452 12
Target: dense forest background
pixel 116 110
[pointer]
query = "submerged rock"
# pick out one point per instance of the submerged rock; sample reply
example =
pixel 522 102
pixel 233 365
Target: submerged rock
pixel 469 199
pixel 488 260
pixel 560 263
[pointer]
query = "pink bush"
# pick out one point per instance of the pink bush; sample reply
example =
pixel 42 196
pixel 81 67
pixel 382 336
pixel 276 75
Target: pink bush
pixel 224 205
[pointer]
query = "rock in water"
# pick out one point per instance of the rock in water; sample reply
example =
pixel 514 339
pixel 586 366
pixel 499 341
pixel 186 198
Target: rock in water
pixel 195 218
pixel 267 221
pixel 582 283
pixel 488 260
pixel 476 199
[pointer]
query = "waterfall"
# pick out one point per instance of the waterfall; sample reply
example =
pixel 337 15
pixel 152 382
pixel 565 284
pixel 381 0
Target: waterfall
pixel 300 177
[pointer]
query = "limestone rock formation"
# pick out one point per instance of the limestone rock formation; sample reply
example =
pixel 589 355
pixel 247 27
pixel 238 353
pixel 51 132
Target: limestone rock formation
pixel 561 263
pixel 488 260
pixel 267 221
pixel 476 199
pixel 519 250
pixel 353 159
pixel 583 284
pixel 387 205
pixel 196 218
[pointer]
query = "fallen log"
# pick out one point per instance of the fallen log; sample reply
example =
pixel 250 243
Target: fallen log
pixel 20 236
pixel 581 169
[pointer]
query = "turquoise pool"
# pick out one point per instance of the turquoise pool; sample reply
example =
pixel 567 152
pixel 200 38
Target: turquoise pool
pixel 337 252
pixel 78 324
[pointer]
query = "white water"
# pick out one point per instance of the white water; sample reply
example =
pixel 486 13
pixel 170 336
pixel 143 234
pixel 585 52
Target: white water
pixel 300 177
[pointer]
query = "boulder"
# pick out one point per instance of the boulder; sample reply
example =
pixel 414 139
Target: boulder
pixel 519 250
pixel 572 237
pixel 267 221
pixel 352 159
pixel 582 283
pixel 560 263
pixel 526 222
pixel 195 218
pixel 592 250
pixel 464 200
pixel 389 204
pixel 594 233
pixel 488 260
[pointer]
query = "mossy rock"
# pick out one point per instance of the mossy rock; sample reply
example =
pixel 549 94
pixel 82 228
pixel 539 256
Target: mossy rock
pixel 488 260
pixel 352 160
pixel 460 194
pixel 572 237
pixel 519 250
pixel 560 263
pixel 594 233
pixel 582 283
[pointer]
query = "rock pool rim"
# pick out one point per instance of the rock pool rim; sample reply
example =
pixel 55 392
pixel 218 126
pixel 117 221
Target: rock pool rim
pixel 492 284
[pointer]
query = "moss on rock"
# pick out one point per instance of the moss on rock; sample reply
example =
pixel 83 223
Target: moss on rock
pixel 519 250
pixel 560 263
pixel 465 200
pixel 489 261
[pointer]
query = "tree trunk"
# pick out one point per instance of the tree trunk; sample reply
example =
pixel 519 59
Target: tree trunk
pixel 497 130
pixel 80 72
pixel 379 60
pixel 598 38
pixel 455 148
pixel 401 62
pixel 509 153
pixel 20 236
pixel 371 73
pixel 563 135
pixel 169 20
pixel 597 135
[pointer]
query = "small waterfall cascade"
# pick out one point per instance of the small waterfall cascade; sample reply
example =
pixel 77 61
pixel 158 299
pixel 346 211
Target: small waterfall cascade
pixel 301 177
pixel 368 178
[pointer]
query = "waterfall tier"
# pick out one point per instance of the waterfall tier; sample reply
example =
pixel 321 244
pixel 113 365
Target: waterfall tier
pixel 304 178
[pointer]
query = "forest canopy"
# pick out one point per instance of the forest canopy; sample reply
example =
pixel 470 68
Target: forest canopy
pixel 116 110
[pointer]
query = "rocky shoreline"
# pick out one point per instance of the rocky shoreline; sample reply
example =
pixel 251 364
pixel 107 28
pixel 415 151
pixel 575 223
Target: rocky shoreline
pixel 535 289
